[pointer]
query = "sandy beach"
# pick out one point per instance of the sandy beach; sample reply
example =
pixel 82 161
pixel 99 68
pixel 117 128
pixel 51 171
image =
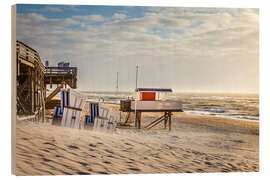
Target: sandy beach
pixel 195 144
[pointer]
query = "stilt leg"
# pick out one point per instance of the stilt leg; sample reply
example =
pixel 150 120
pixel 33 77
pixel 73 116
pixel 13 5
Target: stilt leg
pixel 170 121
pixel 139 120
pixel 165 119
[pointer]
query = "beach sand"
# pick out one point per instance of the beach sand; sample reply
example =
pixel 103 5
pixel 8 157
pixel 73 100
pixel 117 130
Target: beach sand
pixel 195 144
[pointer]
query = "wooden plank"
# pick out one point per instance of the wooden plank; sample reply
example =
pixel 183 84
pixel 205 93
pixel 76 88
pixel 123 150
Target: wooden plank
pixel 54 93
pixel 74 108
pixel 154 121
pixel 27 63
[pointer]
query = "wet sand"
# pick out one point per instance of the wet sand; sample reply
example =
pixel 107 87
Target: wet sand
pixel 195 144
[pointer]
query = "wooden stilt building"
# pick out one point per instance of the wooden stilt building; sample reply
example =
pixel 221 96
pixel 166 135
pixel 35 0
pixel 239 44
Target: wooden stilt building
pixel 32 78
pixel 31 90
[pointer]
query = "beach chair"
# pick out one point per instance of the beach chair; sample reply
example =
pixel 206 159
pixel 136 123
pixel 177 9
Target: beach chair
pixel 107 119
pixel 72 111
pixel 93 112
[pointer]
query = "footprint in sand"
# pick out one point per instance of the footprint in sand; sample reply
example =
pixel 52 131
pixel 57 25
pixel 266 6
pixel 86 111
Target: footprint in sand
pixel 83 164
pixel 49 143
pixel 107 162
pixel 73 147
pixel 134 169
pixel 128 144
pixel 110 156
pixel 46 160
pixel 92 145
pixel 89 169
pixel 197 162
pixel 108 151
pixel 45 150
pixel 101 172
pixel 225 170
pixel 238 141
pixel 208 163
pixel 232 166
pixel 82 173
pixel 186 156
pixel 200 170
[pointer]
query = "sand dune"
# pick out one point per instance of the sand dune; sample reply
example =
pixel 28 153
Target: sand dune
pixel 191 146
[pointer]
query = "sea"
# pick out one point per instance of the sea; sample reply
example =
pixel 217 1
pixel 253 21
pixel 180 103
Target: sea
pixel 237 106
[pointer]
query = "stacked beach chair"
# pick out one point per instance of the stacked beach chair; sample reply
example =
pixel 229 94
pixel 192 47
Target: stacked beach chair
pixel 106 119
pixel 72 102
pixel 100 117
pixel 58 111
pixel 93 112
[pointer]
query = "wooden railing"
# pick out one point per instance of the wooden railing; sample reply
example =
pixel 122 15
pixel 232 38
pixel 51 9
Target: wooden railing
pixel 56 71
pixel 27 53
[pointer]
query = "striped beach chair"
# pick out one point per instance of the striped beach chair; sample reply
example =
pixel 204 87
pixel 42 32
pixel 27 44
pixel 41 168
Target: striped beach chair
pixel 73 103
pixel 106 119
pixel 65 98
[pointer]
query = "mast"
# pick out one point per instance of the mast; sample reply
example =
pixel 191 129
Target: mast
pixel 135 117
pixel 117 82
pixel 137 67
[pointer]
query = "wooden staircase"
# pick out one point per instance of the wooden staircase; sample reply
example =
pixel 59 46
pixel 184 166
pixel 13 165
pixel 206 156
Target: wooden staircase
pixel 56 91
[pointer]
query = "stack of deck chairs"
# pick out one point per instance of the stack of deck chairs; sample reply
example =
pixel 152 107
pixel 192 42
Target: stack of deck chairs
pixel 93 112
pixel 58 111
pixel 106 119
pixel 101 117
pixel 72 103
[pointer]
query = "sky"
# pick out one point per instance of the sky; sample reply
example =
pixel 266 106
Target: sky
pixel 186 49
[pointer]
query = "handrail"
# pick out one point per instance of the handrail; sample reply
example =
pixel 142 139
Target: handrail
pixel 29 54
pixel 60 70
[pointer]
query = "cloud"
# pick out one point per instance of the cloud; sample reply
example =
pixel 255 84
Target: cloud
pixel 201 46
pixel 94 17
pixel 53 9
pixel 119 16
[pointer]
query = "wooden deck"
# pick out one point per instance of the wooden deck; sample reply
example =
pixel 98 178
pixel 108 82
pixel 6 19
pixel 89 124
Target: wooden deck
pixel 31 91
pixel 61 75
pixel 32 79
pixel 168 107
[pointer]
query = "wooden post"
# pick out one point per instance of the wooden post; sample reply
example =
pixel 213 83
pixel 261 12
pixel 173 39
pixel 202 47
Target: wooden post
pixel 165 119
pixel 51 82
pixel 32 77
pixel 170 120
pixel 138 120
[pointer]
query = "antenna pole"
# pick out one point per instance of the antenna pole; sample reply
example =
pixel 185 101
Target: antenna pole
pixel 117 85
pixel 137 67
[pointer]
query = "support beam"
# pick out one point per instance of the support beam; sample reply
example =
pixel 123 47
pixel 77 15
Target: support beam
pixel 170 121
pixel 154 121
pixel 127 118
pixel 56 91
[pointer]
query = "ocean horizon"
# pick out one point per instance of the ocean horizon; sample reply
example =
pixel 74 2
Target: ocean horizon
pixel 243 106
